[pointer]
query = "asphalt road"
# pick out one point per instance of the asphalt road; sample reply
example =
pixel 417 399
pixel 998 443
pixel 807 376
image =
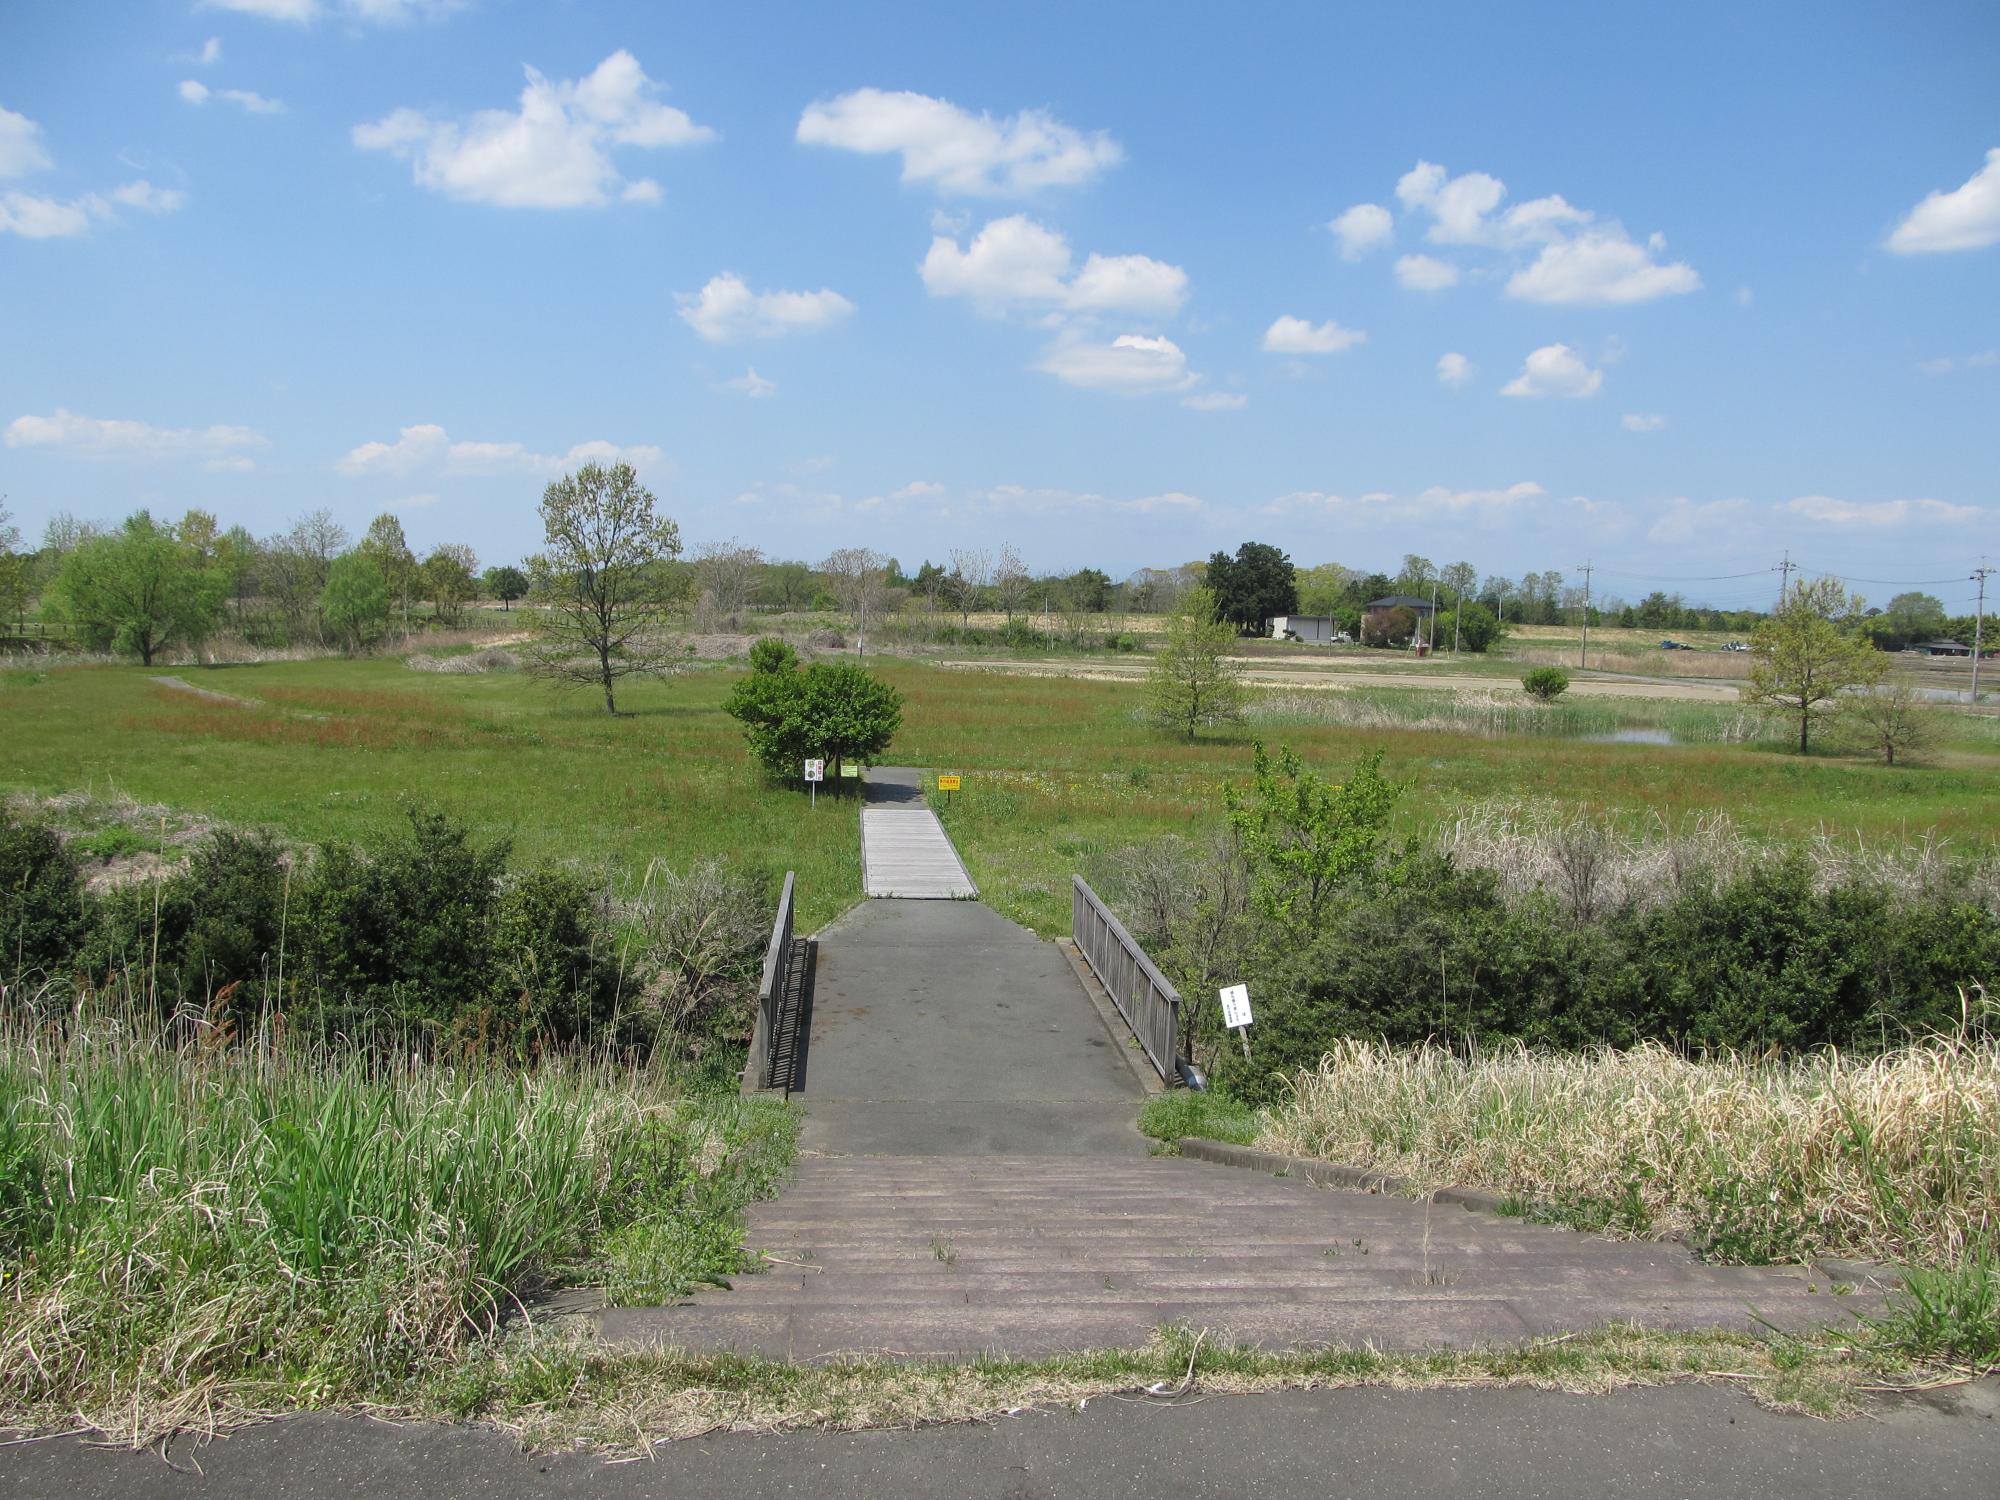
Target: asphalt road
pixel 1683 1441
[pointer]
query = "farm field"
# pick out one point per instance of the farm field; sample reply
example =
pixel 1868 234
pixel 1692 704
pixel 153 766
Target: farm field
pixel 1058 770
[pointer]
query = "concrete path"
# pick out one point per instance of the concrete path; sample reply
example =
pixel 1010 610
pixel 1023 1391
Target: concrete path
pixel 905 851
pixel 1671 1443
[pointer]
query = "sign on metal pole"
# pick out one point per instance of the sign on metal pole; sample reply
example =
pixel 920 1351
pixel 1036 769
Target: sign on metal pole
pixel 948 785
pixel 1236 1013
pixel 815 774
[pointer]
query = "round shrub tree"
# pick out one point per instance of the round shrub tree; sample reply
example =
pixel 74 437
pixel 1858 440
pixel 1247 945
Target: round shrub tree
pixel 1546 683
pixel 831 710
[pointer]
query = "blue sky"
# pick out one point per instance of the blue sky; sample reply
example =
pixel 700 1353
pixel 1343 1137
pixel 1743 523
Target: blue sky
pixel 1674 289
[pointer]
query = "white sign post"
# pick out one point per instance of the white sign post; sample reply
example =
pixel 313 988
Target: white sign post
pixel 815 774
pixel 1236 1014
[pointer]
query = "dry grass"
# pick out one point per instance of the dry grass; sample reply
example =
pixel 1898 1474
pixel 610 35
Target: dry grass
pixel 1639 664
pixel 1894 1158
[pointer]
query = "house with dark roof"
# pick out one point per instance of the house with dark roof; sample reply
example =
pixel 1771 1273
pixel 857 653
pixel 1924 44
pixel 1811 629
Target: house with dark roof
pixel 1378 610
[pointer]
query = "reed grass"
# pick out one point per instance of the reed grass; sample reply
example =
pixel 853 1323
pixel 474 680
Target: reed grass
pixel 1894 1157
pixel 198 1223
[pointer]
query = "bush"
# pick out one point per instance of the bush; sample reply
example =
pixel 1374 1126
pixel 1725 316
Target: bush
pixel 42 914
pixel 554 979
pixel 1470 627
pixel 1545 683
pixel 769 654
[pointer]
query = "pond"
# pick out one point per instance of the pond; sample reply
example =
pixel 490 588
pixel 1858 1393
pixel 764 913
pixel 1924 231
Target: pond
pixel 1631 737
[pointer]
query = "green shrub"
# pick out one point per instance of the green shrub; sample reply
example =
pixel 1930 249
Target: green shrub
pixel 42 914
pixel 769 654
pixel 554 977
pixel 1546 683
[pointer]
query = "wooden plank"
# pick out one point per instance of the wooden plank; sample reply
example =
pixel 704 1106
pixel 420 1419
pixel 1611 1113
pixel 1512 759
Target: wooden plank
pixel 905 852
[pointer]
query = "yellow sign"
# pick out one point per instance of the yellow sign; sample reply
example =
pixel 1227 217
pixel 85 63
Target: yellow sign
pixel 948 783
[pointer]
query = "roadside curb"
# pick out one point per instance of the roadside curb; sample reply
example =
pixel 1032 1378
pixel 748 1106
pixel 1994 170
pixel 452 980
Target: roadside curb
pixel 1858 1273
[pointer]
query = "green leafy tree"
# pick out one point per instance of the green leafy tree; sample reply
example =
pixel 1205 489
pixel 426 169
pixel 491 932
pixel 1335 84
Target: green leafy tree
pixel 355 601
pixel 1545 683
pixel 450 579
pixel 505 583
pixel 1807 655
pixel 833 710
pixel 1307 837
pixel 15 568
pixel 603 583
pixel 138 589
pixel 387 547
pixel 1254 585
pixel 1908 619
pixel 1889 720
pixel 1192 680
pixel 769 654
pixel 1471 627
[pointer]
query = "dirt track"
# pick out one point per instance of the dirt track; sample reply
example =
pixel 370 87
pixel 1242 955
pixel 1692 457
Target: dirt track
pixel 1337 679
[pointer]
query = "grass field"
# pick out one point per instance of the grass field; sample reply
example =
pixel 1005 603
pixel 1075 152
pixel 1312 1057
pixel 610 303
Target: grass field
pixel 1057 770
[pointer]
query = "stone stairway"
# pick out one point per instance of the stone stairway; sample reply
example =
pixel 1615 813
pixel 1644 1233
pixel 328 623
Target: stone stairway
pixel 957 1257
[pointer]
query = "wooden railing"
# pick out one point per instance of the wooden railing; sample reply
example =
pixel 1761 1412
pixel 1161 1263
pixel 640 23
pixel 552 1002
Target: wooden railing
pixel 757 1072
pixel 1150 1004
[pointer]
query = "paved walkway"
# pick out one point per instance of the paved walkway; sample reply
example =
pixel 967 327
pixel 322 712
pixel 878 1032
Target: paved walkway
pixel 904 849
pixel 1672 1443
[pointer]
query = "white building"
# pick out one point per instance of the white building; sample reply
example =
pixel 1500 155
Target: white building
pixel 1317 630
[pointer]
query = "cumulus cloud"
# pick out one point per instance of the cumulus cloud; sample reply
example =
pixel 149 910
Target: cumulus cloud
pixel 1017 263
pixel 751 384
pixel 1576 256
pixel 1554 370
pixel 77 436
pixel 1130 365
pixel 1017 498
pixel 1455 369
pixel 1290 335
pixel 955 151
pixel 1215 401
pixel 555 151
pixel 727 310
pixel 1637 421
pixel 304 12
pixel 194 91
pixel 1426 273
pixel 21 148
pixel 34 216
pixel 1966 218
pixel 1364 227
pixel 1824 510
pixel 1985 359
pixel 427 447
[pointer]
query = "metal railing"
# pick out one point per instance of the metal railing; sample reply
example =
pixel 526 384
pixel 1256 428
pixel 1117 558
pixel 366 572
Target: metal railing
pixel 1150 1004
pixel 771 996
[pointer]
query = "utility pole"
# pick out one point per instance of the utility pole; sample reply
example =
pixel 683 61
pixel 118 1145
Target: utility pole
pixel 1583 654
pixel 1431 625
pixel 1503 601
pixel 1784 572
pixel 1979 576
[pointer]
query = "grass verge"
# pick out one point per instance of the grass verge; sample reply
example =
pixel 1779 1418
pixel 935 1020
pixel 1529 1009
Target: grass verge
pixel 1178 1113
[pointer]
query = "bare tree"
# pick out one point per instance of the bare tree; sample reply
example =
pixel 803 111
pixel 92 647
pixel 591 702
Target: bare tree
pixel 971 571
pixel 1888 720
pixel 859 579
pixel 727 573
pixel 603 583
pixel 1011 582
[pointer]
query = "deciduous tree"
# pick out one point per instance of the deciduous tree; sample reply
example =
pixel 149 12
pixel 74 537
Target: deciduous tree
pixel 138 589
pixel 833 710
pixel 1192 681
pixel 449 578
pixel 1891 719
pixel 355 601
pixel 1807 655
pixel 603 586
pixel 505 583
pixel 859 579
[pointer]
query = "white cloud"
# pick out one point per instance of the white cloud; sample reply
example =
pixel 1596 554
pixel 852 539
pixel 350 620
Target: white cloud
pixel 1425 273
pixel 1578 257
pixel 1016 262
pixel 727 310
pixel 1216 401
pixel 194 91
pixel 554 152
pixel 1554 370
pixel 751 384
pixel 427 447
pixel 37 218
pixel 1985 359
pixel 1602 266
pixel 956 151
pixel 1684 520
pixel 1290 335
pixel 1824 510
pixel 1636 421
pixel 1966 218
pixel 78 436
pixel 1015 498
pixel 305 12
pixel 1455 369
pixel 1364 227
pixel 1384 505
pixel 21 149
pixel 211 52
pixel 1130 365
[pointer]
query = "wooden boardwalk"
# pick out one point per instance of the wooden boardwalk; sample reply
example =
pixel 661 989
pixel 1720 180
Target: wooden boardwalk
pixel 904 852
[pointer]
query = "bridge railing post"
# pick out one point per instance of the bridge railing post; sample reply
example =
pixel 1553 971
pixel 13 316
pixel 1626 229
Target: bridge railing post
pixel 1143 995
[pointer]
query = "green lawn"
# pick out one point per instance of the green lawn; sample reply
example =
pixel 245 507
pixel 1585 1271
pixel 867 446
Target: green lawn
pixel 1057 769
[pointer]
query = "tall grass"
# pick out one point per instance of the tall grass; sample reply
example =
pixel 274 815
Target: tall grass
pixel 1896 1157
pixel 1507 711
pixel 223 1224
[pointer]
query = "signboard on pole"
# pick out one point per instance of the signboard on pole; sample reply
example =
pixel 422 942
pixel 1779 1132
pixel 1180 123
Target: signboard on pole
pixel 815 770
pixel 1236 1006
pixel 949 783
